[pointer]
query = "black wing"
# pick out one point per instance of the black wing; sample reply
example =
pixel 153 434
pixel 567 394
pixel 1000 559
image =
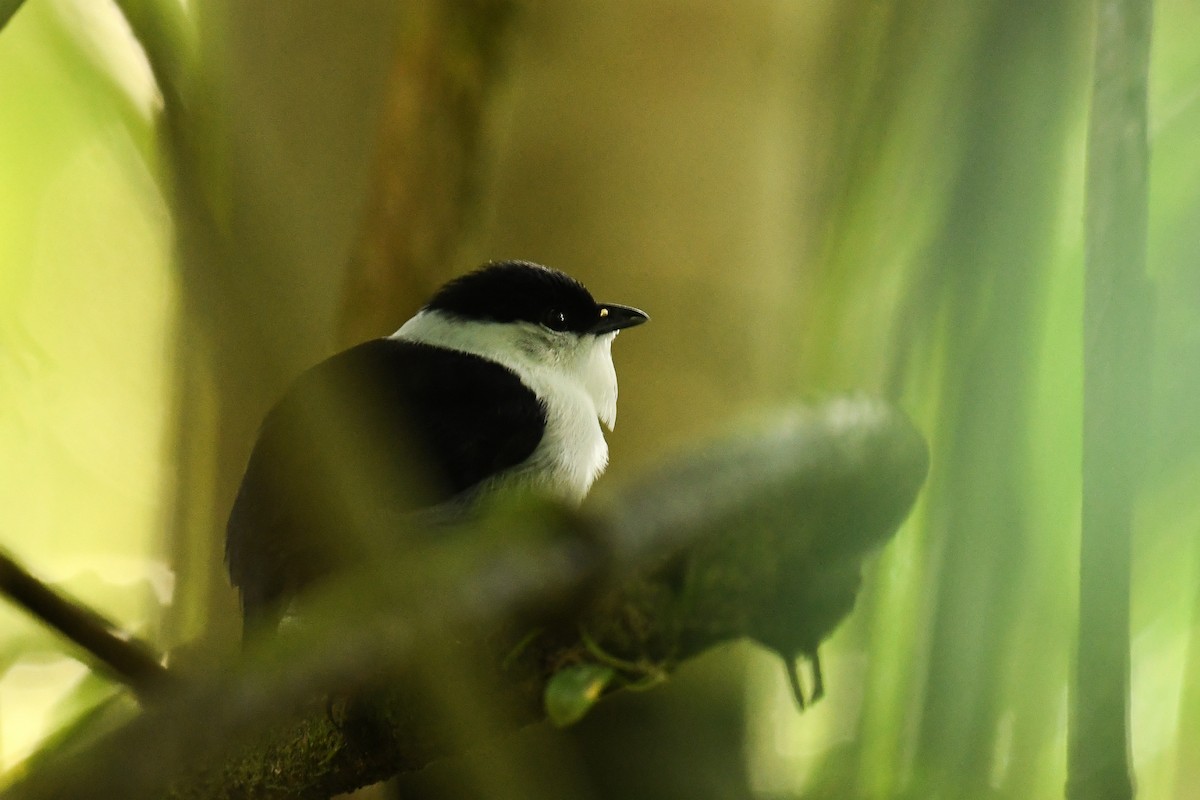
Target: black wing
pixel 380 430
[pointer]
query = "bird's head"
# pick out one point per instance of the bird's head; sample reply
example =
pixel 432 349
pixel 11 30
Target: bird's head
pixel 537 321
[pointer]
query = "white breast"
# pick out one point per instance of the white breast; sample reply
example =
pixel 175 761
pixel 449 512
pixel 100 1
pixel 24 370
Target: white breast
pixel 572 376
pixel 572 452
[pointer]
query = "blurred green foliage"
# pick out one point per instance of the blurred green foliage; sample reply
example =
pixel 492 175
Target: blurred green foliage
pixel 85 293
pixel 805 197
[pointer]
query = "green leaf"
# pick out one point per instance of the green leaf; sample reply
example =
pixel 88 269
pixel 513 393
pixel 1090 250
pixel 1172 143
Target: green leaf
pixel 571 692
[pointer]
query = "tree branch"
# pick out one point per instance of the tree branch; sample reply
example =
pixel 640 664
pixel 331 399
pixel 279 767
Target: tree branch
pixel 758 536
pixel 128 660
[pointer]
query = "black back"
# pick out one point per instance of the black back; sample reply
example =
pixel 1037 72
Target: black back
pixel 375 432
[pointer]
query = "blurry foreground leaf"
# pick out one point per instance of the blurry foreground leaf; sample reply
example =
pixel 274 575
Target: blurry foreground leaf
pixel 89 712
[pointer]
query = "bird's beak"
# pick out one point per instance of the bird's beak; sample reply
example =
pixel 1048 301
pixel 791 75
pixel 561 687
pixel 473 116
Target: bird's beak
pixel 614 317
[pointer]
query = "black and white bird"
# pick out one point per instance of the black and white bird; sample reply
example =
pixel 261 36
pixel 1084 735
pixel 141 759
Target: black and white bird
pixel 501 380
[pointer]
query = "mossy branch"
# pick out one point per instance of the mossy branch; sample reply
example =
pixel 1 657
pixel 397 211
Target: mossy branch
pixel 760 536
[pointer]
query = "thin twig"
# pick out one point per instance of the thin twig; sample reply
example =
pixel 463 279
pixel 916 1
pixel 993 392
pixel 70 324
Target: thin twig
pixel 129 660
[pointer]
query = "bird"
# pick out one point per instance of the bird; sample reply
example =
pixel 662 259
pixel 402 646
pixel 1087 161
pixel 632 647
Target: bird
pixel 502 380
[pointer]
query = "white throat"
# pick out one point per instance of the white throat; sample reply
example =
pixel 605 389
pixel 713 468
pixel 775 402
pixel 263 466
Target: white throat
pixel 571 374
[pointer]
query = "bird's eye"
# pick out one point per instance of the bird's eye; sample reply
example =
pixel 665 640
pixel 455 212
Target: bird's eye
pixel 556 320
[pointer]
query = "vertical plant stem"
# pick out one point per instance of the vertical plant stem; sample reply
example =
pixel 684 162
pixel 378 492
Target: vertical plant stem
pixel 1117 314
pixel 430 147
pixel 8 9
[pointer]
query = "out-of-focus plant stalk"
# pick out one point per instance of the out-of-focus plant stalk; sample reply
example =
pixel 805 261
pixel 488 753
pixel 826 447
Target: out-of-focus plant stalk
pixel 1117 317
pixel 8 8
pixel 431 137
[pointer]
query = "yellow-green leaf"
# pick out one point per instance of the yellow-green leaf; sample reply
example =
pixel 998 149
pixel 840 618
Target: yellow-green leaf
pixel 572 691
